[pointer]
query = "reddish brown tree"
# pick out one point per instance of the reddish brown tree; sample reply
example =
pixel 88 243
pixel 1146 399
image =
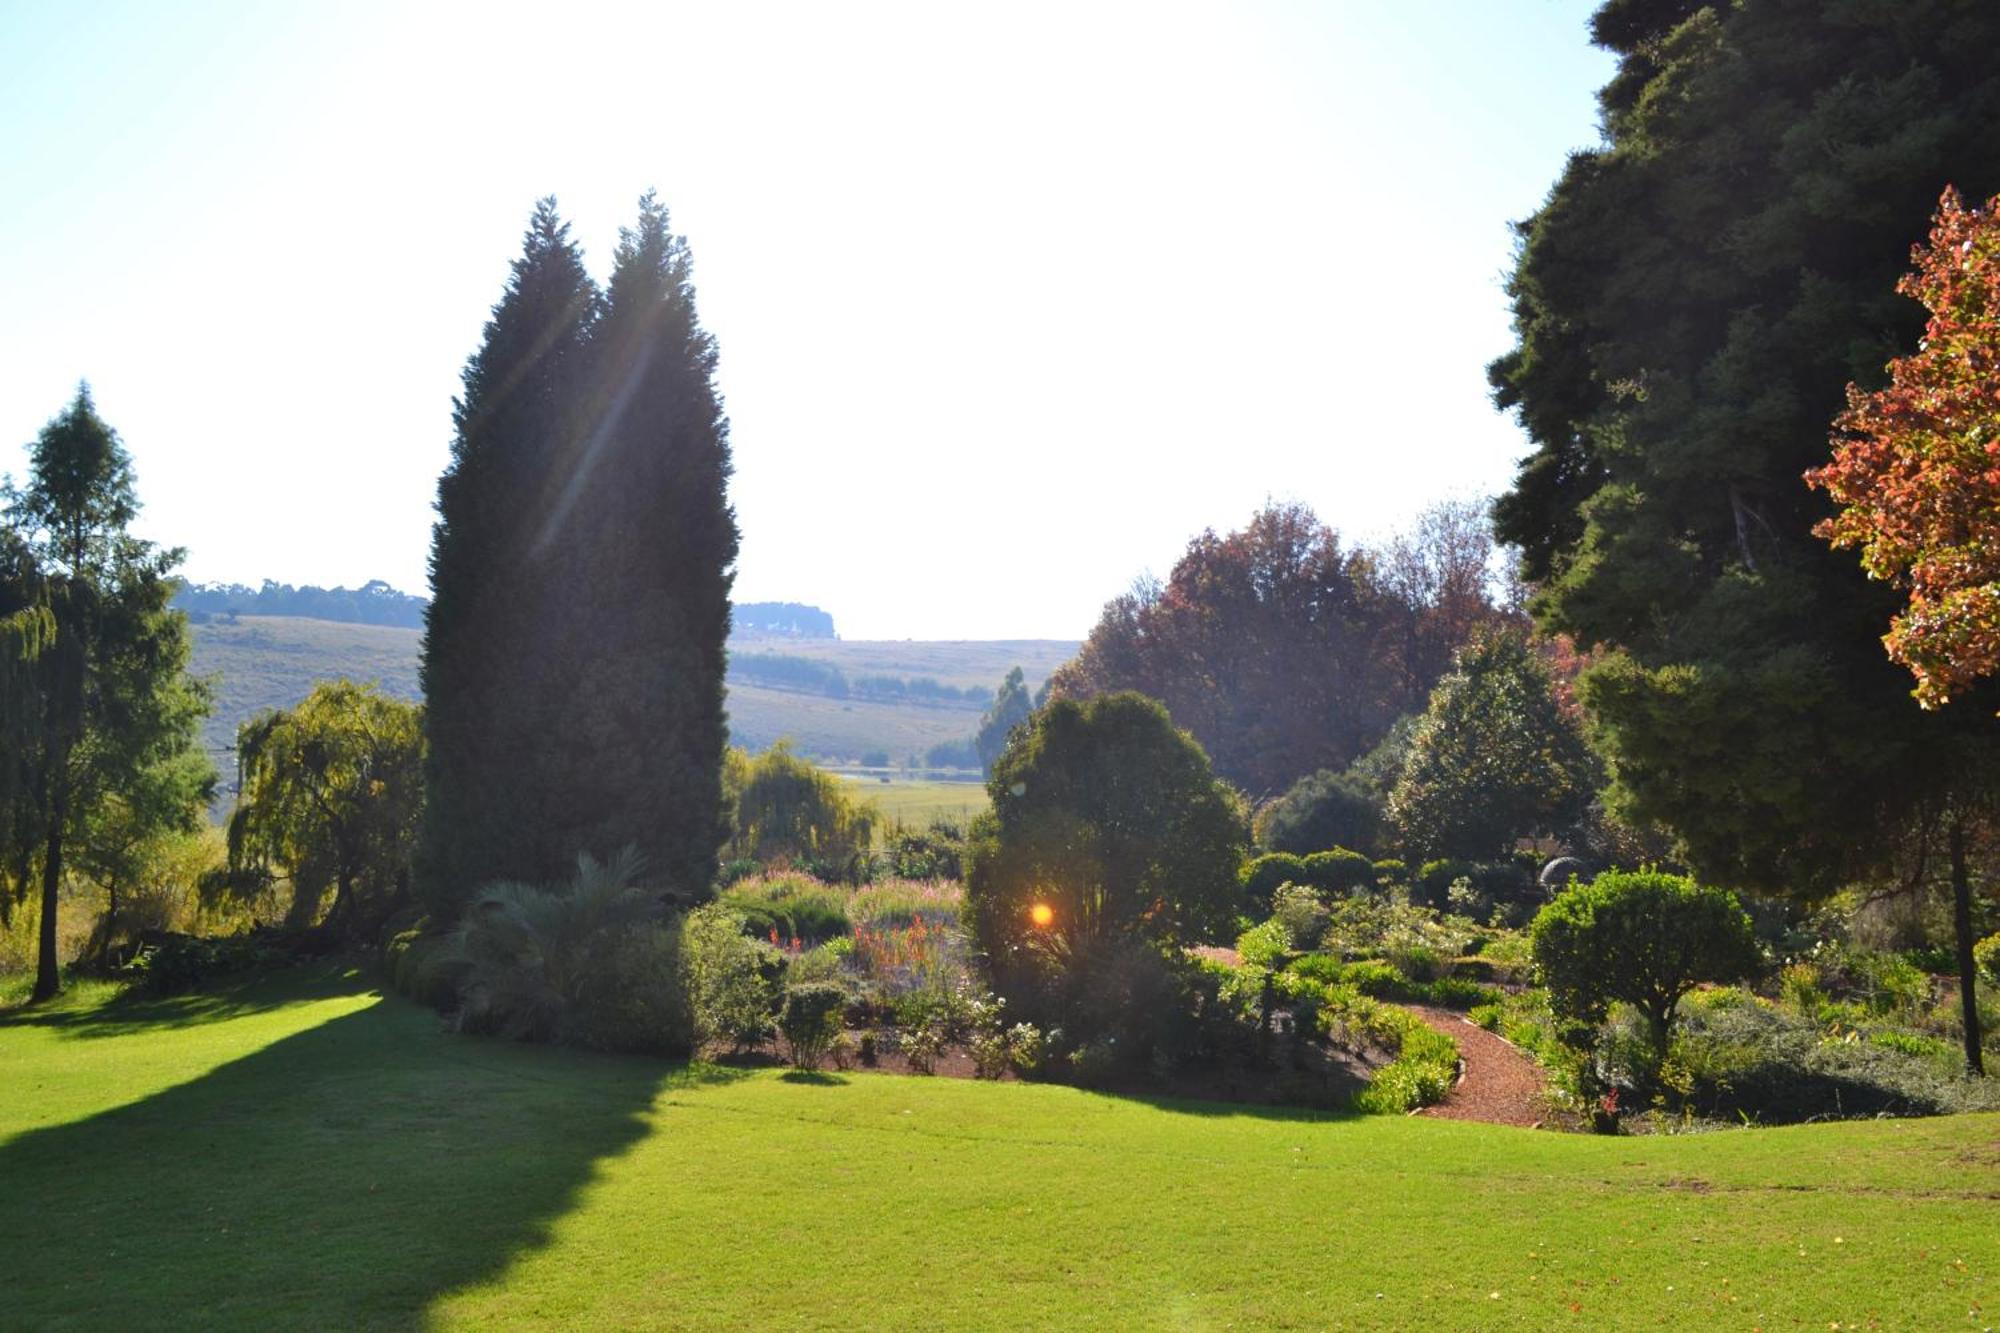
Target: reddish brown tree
pixel 1916 473
pixel 1285 652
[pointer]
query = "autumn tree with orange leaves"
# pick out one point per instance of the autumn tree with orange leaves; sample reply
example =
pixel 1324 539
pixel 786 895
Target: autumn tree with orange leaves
pixel 1916 473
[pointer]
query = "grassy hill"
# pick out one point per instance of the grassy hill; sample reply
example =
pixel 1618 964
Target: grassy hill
pixel 272 661
pixel 308 1153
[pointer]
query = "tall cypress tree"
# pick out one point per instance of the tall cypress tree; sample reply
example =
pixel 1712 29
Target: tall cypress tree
pixel 648 539
pixel 495 581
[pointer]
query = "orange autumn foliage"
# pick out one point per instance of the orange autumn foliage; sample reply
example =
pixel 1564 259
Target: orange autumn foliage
pixel 1916 465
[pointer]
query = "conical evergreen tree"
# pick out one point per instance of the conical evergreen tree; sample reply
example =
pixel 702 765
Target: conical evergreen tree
pixel 495 579
pixel 646 533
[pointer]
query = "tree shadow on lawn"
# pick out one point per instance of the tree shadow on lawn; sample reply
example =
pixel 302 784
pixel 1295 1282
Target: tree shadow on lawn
pixel 134 1011
pixel 346 1176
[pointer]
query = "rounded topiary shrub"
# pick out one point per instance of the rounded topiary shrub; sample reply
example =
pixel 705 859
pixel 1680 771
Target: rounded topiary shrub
pixel 1339 872
pixel 1643 937
pixel 810 1021
pixel 1261 877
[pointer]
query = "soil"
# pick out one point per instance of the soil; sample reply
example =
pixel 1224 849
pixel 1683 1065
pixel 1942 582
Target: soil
pixel 1497 1084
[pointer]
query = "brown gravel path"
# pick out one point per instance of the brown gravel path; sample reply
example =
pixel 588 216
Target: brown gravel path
pixel 1498 1083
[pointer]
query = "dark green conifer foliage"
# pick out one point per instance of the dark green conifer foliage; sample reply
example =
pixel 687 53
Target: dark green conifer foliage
pixel 1690 304
pixel 496 581
pixel 647 540
pixel 96 707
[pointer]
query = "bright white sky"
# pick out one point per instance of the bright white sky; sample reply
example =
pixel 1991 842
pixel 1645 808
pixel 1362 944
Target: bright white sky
pixel 1012 298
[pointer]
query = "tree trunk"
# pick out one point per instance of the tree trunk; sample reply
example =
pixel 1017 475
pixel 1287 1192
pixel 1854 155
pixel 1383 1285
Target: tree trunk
pixel 48 979
pixel 1961 920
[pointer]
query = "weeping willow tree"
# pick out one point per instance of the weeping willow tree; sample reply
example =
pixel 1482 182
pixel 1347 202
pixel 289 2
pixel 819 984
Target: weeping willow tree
pixel 331 791
pixel 788 810
pixel 26 629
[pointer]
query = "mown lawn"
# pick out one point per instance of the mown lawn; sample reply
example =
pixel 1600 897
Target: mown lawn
pixel 305 1151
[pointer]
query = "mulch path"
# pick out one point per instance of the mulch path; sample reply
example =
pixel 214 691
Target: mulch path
pixel 1498 1083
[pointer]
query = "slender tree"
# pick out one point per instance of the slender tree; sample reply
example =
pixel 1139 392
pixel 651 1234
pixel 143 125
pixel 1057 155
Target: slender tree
pixel 108 703
pixel 646 541
pixel 496 583
pixel 1011 707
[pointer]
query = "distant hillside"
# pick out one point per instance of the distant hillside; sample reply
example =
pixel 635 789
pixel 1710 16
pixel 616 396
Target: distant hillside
pixel 373 603
pixel 272 662
pixel 792 619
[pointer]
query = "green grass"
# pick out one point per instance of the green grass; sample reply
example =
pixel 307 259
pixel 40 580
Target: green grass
pixel 916 804
pixel 307 1152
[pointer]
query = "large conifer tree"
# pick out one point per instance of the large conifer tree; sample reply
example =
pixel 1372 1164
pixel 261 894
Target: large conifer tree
pixel 1690 304
pixel 494 579
pixel 649 541
pixel 574 654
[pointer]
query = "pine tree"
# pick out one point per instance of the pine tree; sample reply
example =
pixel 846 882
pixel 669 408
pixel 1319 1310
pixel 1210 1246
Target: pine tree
pixel 649 541
pixel 496 579
pixel 97 709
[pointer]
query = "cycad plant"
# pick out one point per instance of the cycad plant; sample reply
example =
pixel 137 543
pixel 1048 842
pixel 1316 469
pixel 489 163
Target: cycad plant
pixel 528 952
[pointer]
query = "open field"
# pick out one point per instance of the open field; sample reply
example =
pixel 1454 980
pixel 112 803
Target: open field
pixel 841 728
pixel 949 661
pixel 262 662
pixel 309 1153
pixel 918 803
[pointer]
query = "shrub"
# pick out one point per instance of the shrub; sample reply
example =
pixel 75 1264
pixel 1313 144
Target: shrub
pixel 634 996
pixel 423 967
pixel 1373 977
pixel 1416 960
pixel 990 1053
pixel 810 1021
pixel 1986 957
pixel 731 978
pixel 1262 876
pixel 1339 872
pixel 1455 993
pixel 1323 809
pixel 527 953
pixel 1432 886
pixel 1299 911
pixel 1510 957
pixel 1422 1073
pixel 180 963
pixel 1027 1049
pixel 937 852
pixel 923 1044
pixel 1322 968
pixel 1391 874
pixel 792 906
pixel 1644 937
pixel 1095 1063
pixel 1264 946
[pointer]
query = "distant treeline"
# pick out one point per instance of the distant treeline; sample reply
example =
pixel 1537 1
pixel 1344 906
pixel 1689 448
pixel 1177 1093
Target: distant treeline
pixel 373 603
pixel 794 618
pixel 782 672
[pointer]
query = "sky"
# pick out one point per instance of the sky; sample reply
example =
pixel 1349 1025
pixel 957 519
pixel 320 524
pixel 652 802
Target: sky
pixel 1011 299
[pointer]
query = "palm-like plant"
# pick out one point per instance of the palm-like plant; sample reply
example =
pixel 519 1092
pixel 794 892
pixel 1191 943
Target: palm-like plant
pixel 527 951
